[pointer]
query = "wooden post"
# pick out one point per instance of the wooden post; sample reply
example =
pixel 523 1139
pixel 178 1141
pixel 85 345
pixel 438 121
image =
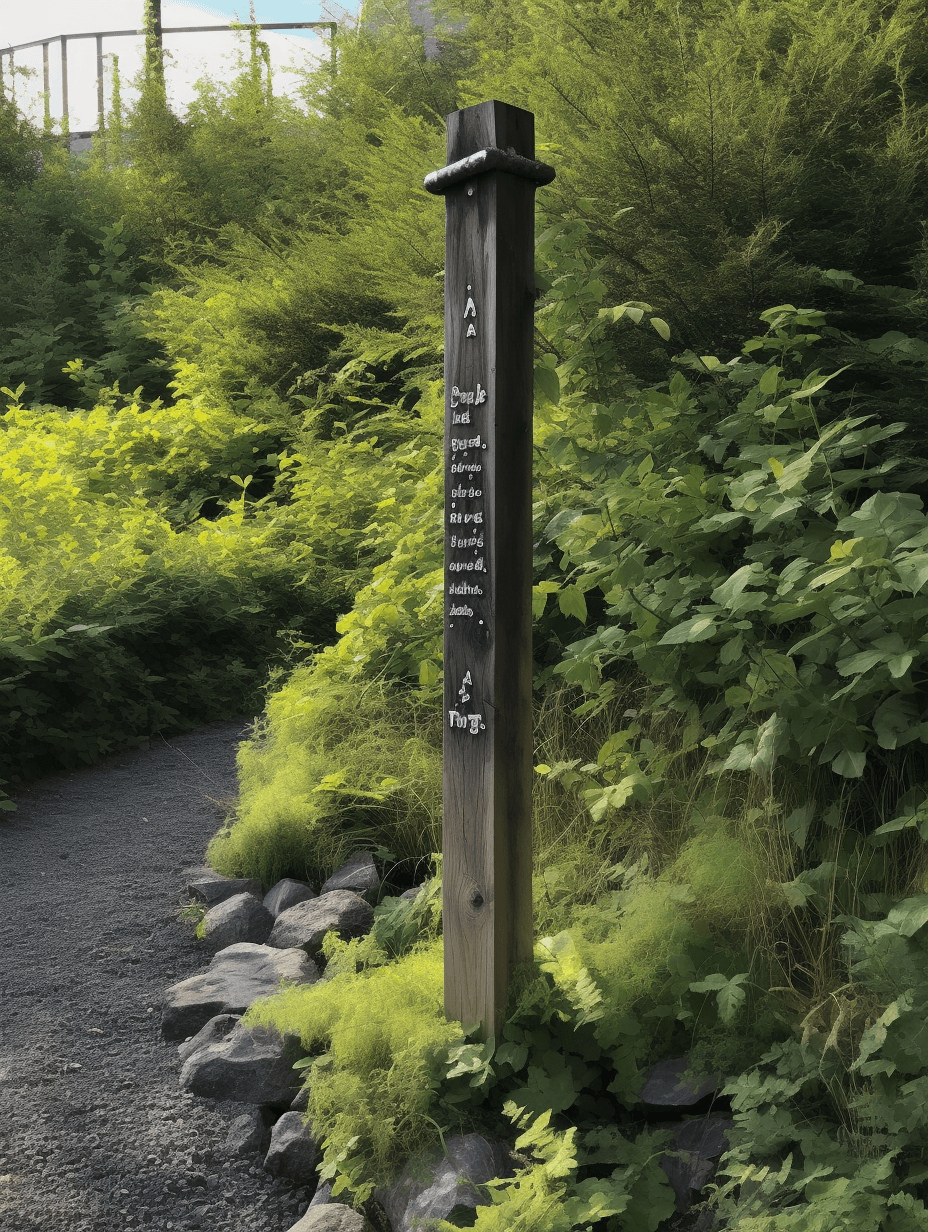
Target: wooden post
pixel 489 189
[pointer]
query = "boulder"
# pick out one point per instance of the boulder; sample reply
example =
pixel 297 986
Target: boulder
pixel 215 1030
pixel 300 1100
pixel 693 1154
pixel 413 893
pixel 306 924
pixel 247 1134
pixel 237 976
pixel 443 1186
pixel 332 1217
pixel 294 1151
pixel 358 874
pixel 323 1194
pixel 665 1085
pixel 251 1066
pixel 287 893
pixel 211 888
pixel 239 918
pixel 706 1136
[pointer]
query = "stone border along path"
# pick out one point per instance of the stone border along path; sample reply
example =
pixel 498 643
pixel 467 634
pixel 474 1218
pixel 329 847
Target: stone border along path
pixel 95 1133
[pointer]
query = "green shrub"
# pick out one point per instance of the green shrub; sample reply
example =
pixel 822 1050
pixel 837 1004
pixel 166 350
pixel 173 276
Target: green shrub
pixel 334 766
pixel 379 1039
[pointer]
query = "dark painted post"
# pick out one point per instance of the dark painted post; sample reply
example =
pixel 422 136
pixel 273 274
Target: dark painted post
pixel 489 189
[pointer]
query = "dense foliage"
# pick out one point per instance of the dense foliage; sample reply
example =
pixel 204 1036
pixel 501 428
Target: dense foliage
pixel 221 467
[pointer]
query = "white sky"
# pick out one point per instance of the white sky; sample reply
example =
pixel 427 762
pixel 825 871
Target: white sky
pixel 194 55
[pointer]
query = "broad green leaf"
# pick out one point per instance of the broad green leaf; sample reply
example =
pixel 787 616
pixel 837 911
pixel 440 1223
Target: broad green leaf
pixel 731 998
pixel 769 379
pixel 857 664
pixel 808 390
pixel 895 722
pixel 831 575
pixel 797 893
pixel 662 328
pixel 727 592
pixel 696 629
pixel 429 672
pixel 572 602
pixel 907 821
pixel 850 764
pixel 760 754
pixel 797 824
pixel 548 381
pixel 908 916
pixel 712 983
pixel 913 571
pixel 875 1036
pixel 899 664
pixel 729 993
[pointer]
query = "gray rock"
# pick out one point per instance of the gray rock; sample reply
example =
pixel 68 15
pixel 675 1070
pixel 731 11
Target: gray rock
pixel 413 893
pixel 333 1217
pixel 695 1148
pixel 215 1030
pixel 665 1085
pixel 211 888
pixel 306 924
pixel 294 1151
pixel 300 1100
pixel 287 893
pixel 237 976
pixel 706 1136
pixel 250 1066
pixel 323 1194
pixel 442 1186
pixel 247 1134
pixel 687 1173
pixel 358 874
pixel 239 918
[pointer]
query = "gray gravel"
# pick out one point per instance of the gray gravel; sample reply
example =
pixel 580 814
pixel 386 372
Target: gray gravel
pixel 95 1133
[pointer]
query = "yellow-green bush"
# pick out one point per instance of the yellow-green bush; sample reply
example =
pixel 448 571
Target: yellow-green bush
pixel 335 765
pixel 379 1037
pixel 117 618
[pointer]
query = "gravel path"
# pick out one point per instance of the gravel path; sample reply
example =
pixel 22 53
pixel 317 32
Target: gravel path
pixel 95 1133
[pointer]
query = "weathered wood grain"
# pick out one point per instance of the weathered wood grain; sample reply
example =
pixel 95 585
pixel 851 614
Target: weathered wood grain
pixel 487 830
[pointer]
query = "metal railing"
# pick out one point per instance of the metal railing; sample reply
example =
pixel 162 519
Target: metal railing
pixel 100 35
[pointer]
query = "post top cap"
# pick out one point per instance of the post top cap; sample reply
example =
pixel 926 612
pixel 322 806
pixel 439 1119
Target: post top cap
pixel 491 159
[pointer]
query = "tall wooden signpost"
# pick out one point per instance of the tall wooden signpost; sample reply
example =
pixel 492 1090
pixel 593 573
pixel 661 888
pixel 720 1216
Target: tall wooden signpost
pixel 489 188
